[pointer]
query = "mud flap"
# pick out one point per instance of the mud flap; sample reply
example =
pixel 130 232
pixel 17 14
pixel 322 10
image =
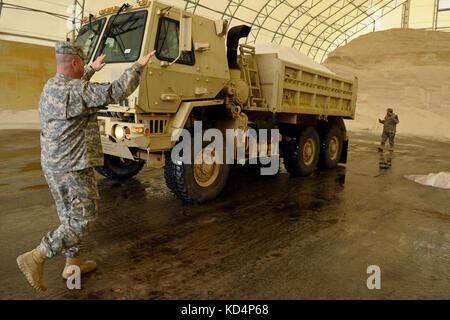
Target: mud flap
pixel 344 152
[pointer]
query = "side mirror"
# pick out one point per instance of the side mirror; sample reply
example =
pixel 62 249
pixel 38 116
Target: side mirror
pixel 186 34
pixel 221 27
pixel 185 41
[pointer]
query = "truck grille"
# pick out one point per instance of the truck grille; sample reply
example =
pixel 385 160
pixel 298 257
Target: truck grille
pixel 158 126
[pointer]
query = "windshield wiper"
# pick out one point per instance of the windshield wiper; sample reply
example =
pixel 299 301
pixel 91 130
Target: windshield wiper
pixel 90 22
pixel 108 31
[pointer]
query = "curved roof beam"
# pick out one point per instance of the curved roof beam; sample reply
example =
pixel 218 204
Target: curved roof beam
pixel 315 50
pixel 332 36
pixel 191 5
pixel 283 22
pixel 313 19
pixel 327 33
pixel 240 4
pixel 384 11
pixel 295 14
pixel 263 14
pixel 233 5
pixel 231 17
pixel 286 24
pixel 231 8
pixel 358 27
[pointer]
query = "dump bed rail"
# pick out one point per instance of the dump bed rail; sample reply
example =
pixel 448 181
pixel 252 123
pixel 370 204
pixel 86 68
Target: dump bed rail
pixel 291 88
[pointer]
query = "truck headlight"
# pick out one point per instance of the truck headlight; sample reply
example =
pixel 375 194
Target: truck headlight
pixel 118 132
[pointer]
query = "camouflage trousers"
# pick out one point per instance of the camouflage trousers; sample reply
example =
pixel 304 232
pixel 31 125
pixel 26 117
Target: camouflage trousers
pixel 76 197
pixel 388 135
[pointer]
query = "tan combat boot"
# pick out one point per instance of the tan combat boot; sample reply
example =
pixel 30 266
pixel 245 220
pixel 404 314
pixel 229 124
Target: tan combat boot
pixel 85 266
pixel 381 148
pixel 31 264
pixel 391 149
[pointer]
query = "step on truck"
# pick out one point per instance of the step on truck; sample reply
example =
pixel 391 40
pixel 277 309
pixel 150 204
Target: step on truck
pixel 202 73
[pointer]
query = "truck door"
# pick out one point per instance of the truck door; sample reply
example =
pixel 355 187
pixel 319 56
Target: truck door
pixel 168 84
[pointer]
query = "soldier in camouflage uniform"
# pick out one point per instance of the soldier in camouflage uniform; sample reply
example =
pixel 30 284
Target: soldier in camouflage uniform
pixel 390 127
pixel 71 147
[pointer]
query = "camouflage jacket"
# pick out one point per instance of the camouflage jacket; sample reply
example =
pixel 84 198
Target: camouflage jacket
pixel 70 138
pixel 390 124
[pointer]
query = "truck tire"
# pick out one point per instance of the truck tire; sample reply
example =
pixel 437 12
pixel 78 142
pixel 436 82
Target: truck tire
pixel 116 168
pixel 195 183
pixel 331 143
pixel 301 154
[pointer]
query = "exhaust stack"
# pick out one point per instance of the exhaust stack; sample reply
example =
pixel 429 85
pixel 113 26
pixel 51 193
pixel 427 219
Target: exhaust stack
pixel 233 37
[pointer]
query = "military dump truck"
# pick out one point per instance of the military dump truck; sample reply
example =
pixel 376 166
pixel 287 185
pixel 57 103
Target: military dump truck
pixel 201 73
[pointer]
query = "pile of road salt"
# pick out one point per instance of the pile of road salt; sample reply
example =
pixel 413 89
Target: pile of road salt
pixel 405 69
pixel 438 180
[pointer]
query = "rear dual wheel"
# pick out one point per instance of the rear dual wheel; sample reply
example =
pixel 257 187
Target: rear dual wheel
pixel 306 151
pixel 301 153
pixel 331 147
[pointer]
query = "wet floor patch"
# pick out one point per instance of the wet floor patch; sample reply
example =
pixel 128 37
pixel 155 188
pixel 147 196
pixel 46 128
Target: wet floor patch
pixel 31 188
pixel 33 166
pixel 13 147
pixel 6 156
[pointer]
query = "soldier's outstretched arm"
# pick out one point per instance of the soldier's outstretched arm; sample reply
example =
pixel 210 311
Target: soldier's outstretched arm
pixel 99 95
pixel 88 73
pixel 96 66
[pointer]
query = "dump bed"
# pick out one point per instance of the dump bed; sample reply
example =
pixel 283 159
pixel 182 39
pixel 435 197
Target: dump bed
pixel 292 88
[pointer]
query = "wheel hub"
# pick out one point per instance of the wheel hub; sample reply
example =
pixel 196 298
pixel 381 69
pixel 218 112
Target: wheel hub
pixel 206 168
pixel 309 151
pixel 333 148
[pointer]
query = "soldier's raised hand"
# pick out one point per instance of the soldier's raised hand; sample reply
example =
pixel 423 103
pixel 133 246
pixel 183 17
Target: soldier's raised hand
pixel 145 59
pixel 98 64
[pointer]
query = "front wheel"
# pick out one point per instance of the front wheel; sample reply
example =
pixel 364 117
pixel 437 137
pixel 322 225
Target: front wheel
pixel 119 168
pixel 196 182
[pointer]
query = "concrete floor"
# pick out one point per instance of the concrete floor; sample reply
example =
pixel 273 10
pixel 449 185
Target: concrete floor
pixel 265 238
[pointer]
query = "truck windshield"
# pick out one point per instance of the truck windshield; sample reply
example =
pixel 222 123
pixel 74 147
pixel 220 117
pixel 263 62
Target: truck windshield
pixel 124 37
pixel 88 36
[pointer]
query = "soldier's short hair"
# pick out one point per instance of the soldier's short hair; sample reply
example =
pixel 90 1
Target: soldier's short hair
pixel 65 47
pixel 390 110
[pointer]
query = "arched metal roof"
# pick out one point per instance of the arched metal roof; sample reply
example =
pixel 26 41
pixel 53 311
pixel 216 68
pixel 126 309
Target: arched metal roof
pixel 314 27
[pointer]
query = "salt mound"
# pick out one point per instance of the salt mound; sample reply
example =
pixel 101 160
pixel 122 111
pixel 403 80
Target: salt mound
pixel 405 69
pixel 290 55
pixel 395 41
pixel 438 180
